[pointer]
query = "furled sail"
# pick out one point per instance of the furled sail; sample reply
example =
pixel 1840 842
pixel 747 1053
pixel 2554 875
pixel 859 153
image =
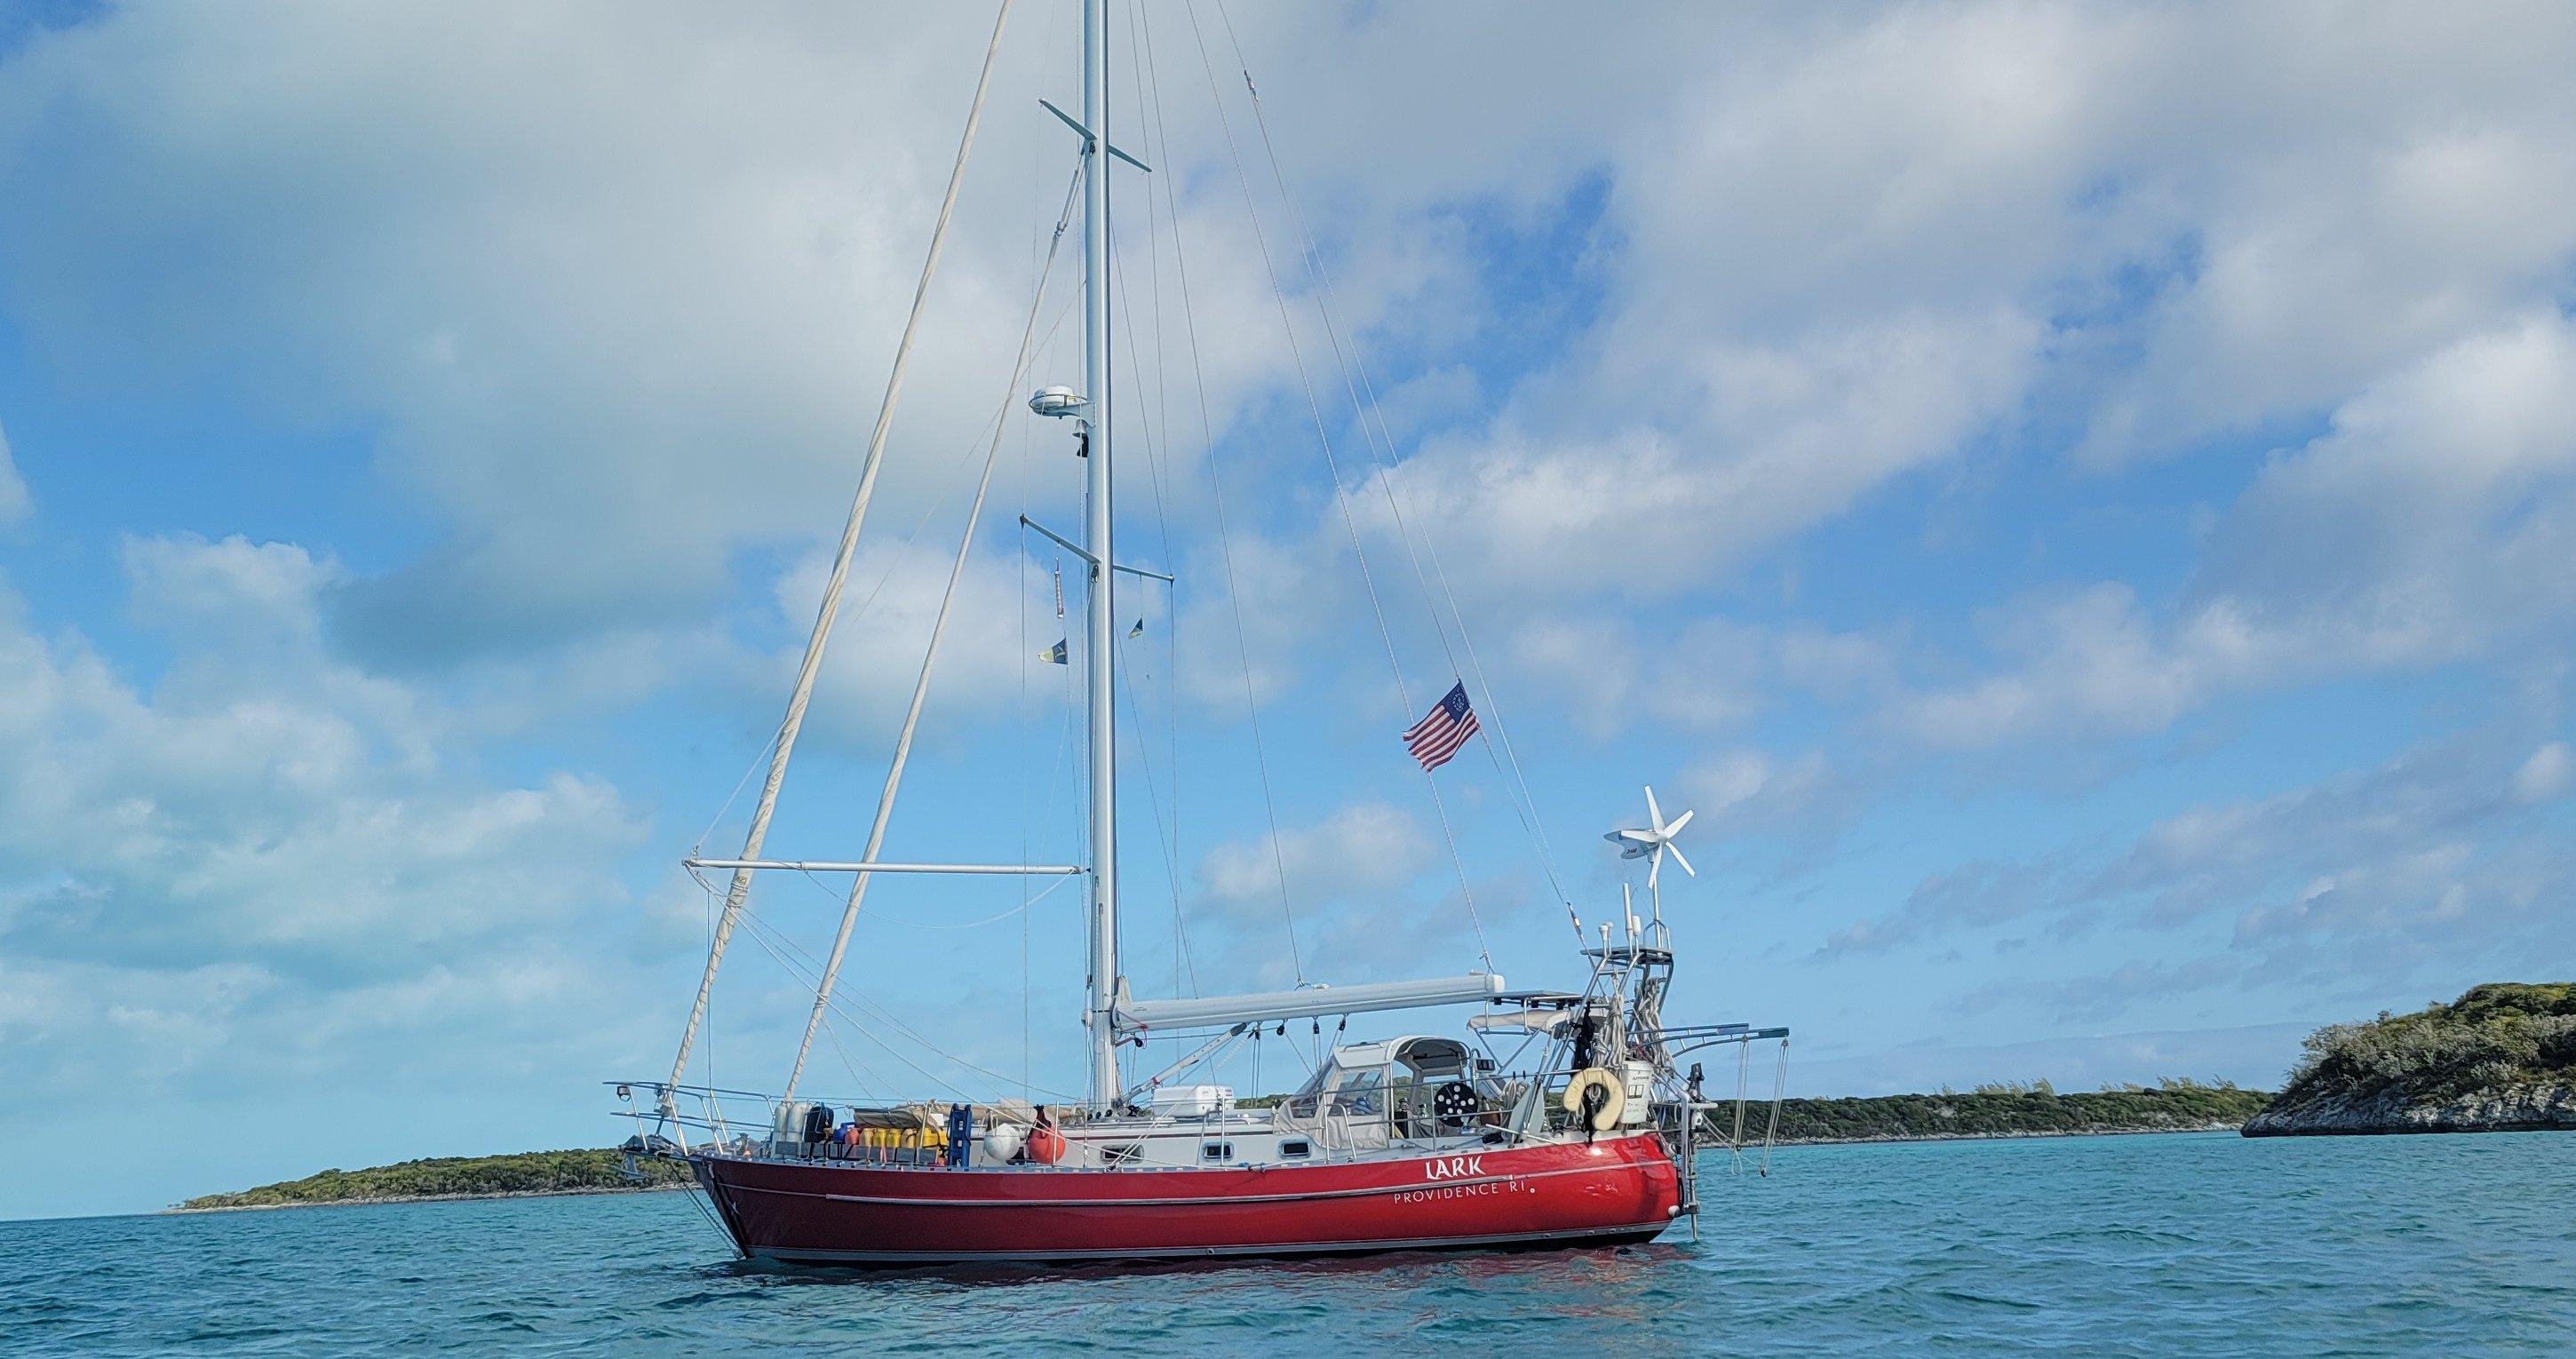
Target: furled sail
pixel 1133 1015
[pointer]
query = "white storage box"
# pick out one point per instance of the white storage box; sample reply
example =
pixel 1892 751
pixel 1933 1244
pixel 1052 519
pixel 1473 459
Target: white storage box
pixel 1193 1101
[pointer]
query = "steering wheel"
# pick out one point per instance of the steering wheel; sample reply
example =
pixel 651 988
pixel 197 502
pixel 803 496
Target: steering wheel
pixel 1455 1103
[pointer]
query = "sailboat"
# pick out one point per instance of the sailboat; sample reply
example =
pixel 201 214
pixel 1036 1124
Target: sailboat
pixel 1558 1119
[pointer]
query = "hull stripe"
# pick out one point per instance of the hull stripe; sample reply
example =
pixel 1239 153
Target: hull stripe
pixel 1638 1231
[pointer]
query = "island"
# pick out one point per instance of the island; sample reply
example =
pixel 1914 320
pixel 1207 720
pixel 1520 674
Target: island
pixel 2000 1109
pixel 526 1174
pixel 2501 1058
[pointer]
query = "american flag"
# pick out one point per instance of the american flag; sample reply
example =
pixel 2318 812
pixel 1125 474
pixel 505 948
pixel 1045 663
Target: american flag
pixel 1442 730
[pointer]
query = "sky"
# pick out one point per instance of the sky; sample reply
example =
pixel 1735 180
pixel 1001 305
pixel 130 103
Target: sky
pixel 2079 499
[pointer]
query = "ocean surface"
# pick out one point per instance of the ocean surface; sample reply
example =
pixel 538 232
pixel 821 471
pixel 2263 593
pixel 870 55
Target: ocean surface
pixel 2204 1243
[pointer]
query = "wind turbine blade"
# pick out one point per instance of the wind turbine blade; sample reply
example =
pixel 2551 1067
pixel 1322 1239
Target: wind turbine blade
pixel 1685 863
pixel 1654 814
pixel 1655 866
pixel 1642 837
pixel 1678 822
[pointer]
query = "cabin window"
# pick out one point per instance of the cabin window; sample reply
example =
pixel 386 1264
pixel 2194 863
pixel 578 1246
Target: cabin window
pixel 1296 1146
pixel 1216 1151
pixel 1121 1154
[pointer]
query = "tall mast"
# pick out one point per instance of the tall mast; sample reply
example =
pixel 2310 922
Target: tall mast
pixel 1100 616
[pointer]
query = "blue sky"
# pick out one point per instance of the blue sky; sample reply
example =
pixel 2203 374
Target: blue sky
pixel 2078 499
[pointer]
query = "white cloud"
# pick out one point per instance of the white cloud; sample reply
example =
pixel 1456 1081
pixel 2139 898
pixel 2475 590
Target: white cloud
pixel 1704 676
pixel 611 324
pixel 2546 775
pixel 883 631
pixel 2341 223
pixel 1754 792
pixel 620 329
pixel 2441 854
pixel 624 286
pixel 269 852
pixel 1368 851
pixel 2429 524
pixel 1770 439
pixel 229 592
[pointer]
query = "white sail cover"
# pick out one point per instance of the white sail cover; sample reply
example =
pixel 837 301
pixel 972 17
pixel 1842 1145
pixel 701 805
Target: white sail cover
pixel 1134 1015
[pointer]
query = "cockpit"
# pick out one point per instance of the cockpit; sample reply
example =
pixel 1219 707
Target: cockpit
pixel 1395 1084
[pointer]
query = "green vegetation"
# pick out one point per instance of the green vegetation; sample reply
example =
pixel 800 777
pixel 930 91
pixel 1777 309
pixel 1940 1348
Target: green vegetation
pixel 2494 1037
pixel 2007 1109
pixel 530 1172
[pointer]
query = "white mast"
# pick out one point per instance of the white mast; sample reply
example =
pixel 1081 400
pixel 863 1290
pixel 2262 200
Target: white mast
pixel 1100 672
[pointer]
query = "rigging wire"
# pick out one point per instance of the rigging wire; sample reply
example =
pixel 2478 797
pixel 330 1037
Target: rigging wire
pixel 811 665
pixel 1225 543
pixel 778 945
pixel 761 927
pixel 1158 150
pixel 1144 752
pixel 1341 494
pixel 996 918
pixel 1171 851
pixel 929 511
pixel 770 941
pixel 1365 405
pixel 1024 791
pixel 930 654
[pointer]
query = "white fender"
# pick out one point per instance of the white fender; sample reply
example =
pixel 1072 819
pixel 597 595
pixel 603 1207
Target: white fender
pixel 1608 1116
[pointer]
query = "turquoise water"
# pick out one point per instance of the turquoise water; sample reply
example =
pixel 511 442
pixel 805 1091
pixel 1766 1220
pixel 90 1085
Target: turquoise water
pixel 2112 1245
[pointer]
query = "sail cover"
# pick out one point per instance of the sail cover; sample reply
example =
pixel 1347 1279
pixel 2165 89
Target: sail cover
pixel 1134 1015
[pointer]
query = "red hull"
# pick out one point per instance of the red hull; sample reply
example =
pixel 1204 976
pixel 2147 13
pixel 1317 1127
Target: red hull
pixel 1616 1189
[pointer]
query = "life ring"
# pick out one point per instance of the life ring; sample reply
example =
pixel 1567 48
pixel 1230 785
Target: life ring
pixel 1613 1097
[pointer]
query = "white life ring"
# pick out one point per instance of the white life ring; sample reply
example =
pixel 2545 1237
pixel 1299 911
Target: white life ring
pixel 1614 1096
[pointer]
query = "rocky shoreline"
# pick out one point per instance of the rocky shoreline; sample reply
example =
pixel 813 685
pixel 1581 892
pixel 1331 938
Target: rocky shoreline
pixel 423 1198
pixel 2545 1107
pixel 2501 1058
